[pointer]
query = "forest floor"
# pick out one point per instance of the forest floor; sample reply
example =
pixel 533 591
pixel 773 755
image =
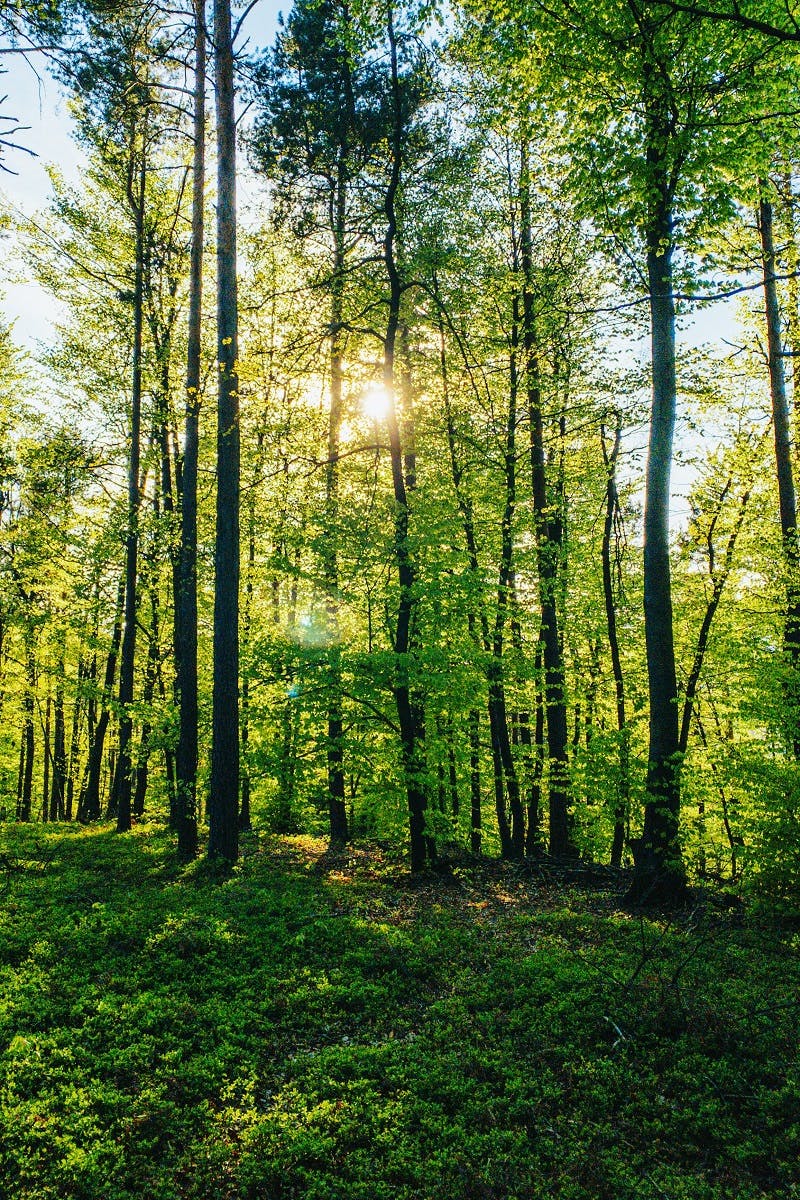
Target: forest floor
pixel 325 1028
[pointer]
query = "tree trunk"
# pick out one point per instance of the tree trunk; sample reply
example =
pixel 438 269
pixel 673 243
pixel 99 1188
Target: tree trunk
pixel 58 786
pixel 223 807
pixel 136 200
pixel 476 821
pixel 245 820
pixel 47 758
pixel 89 801
pixel 548 549
pixel 409 714
pixel 74 740
pixel 622 802
pixel 783 462
pixel 660 874
pixel 337 811
pixel 186 599
pixel 719 577
pixel 533 844
pixel 148 692
pixel 515 847
pixel 26 791
pixel 20 773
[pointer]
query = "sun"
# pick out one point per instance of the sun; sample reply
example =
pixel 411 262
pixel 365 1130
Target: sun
pixel 375 402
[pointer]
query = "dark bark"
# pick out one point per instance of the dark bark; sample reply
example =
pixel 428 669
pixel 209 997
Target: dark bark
pixel 337 811
pixel 136 198
pixel 223 807
pixel 47 758
pixel 476 821
pixel 719 577
pixel 59 781
pixel 20 773
pixel 660 874
pixel 783 463
pixel 533 844
pixel 148 692
pixel 497 699
pixel 793 315
pixel 74 739
pixel 245 818
pixel 548 551
pixel 186 597
pixel 452 772
pixel 409 714
pixel 89 801
pixel 622 802
pixel 28 739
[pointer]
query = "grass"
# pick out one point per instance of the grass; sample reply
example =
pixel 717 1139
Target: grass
pixel 320 1028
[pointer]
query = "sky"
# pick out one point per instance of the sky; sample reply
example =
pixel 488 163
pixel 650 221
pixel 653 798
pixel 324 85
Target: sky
pixel 35 101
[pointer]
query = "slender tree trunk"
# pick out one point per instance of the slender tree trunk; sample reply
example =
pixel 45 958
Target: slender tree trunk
pixel 476 817
pixel 409 716
pixel 89 802
pixel 337 811
pixel 186 599
pixel 505 581
pixel 127 663
pixel 148 691
pixel 548 552
pixel 58 786
pixel 533 843
pixel 245 821
pixel 47 756
pixel 719 577
pixel 20 773
pixel 622 803
pixel 26 794
pixel 734 840
pixel 452 771
pixel 223 808
pixel 74 740
pixel 783 463
pixel 793 288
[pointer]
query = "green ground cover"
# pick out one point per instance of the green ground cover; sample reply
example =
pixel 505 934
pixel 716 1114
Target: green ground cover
pixel 319 1028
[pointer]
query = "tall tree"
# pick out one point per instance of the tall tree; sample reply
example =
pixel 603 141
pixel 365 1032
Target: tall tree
pixel 787 499
pixel 186 598
pixel 223 806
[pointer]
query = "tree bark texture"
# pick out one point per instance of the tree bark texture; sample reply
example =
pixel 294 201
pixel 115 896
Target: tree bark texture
pixel 409 715
pixel 787 497
pixel 223 808
pixel 136 199
pixel 186 599
pixel 660 874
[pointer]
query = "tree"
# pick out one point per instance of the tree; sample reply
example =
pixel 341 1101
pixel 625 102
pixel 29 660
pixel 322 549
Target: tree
pixel 186 597
pixel 223 806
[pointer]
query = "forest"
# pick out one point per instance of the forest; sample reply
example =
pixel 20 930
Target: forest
pixel 400 603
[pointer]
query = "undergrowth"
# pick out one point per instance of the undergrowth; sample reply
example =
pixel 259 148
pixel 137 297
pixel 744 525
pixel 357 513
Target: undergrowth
pixel 315 1027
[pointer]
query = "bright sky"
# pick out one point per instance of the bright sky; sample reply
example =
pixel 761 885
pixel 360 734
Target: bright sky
pixel 34 102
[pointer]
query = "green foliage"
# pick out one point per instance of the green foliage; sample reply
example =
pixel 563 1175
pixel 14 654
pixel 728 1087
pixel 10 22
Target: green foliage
pixel 314 1027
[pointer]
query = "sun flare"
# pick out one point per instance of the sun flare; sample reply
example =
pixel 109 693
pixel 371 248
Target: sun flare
pixel 375 402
